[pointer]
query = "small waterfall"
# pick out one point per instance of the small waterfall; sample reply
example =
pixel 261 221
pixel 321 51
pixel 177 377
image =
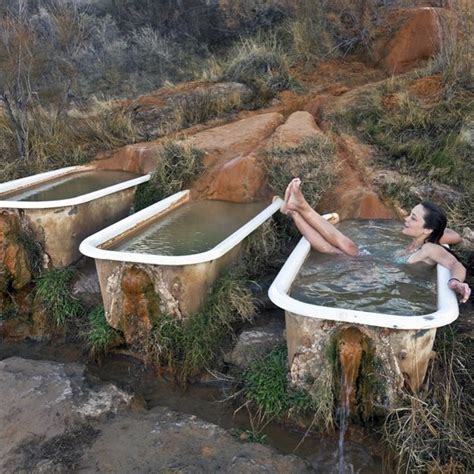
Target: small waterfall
pixel 350 354
pixel 344 413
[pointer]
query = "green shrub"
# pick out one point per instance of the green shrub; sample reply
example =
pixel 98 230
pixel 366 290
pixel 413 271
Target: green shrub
pixel 99 336
pixel 54 295
pixel 265 387
pixel 188 347
pixel 176 165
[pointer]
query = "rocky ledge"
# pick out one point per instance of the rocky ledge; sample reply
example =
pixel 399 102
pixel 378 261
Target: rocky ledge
pixel 54 419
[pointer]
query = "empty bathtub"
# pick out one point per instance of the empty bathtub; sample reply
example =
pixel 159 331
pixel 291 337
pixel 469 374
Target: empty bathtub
pixel 402 343
pixel 138 283
pixel 64 206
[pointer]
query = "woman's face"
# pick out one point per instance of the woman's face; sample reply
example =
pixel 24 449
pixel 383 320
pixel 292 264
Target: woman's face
pixel 415 222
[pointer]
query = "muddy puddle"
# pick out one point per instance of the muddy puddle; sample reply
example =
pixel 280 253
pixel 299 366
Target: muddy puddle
pixel 205 401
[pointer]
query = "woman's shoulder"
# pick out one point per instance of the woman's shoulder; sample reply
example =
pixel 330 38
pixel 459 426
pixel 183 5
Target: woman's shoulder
pixel 429 248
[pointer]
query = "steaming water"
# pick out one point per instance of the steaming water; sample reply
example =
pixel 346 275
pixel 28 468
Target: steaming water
pixel 373 281
pixel 72 185
pixel 192 228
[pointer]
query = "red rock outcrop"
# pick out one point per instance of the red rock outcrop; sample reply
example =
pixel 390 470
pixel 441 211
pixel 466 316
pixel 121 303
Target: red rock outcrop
pixel 353 195
pixel 236 139
pixel 234 172
pixel 299 126
pixel 240 179
pixel 419 38
pixel 14 265
pixel 138 158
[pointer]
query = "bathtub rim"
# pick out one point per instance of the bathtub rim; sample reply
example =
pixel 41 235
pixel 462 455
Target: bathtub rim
pixel 89 246
pixel 24 183
pixel 447 312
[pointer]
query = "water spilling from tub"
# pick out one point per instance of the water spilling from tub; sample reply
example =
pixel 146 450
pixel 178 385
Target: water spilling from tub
pixel 191 228
pixel 71 185
pixel 374 281
pixel 350 356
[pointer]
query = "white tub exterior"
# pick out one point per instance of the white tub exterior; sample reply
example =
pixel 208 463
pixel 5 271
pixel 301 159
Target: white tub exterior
pixel 178 285
pixel 61 225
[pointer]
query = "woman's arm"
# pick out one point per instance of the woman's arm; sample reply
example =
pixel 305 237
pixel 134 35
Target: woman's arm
pixel 450 237
pixel 441 256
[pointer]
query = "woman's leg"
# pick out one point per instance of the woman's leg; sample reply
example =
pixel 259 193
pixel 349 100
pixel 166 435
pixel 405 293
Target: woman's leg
pixel 296 202
pixel 317 241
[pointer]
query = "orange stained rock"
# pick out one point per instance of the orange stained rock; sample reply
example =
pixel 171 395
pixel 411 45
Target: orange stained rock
pixel 420 38
pixel 298 127
pixel 241 179
pixel 138 158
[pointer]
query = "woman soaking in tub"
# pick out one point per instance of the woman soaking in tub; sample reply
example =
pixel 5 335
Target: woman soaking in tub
pixel 426 225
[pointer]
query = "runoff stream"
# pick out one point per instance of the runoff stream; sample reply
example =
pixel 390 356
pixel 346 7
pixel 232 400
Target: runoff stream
pixel 206 402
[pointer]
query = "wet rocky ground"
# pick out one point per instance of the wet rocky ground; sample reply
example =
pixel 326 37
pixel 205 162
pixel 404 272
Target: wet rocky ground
pixel 56 419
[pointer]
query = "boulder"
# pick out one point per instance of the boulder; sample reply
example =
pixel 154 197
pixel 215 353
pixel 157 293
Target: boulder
pixel 53 420
pixel 419 38
pixel 256 342
pixel 240 179
pixel 237 138
pixel 298 127
pixel 163 440
pixel 44 400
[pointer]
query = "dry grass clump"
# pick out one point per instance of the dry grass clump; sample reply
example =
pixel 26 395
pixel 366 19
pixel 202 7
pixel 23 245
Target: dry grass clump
pixel 313 161
pixel 190 346
pixel 433 431
pixel 262 65
pixel 176 164
pixel 199 107
pixel 57 141
pixel 330 28
pixel 454 58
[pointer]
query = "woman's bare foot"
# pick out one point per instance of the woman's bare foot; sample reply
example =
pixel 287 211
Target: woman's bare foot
pixel 296 200
pixel 284 206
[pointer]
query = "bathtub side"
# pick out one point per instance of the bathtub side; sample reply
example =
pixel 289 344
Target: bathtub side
pixel 135 294
pixel 61 230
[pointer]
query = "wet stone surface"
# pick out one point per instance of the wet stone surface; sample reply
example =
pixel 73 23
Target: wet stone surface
pixel 54 420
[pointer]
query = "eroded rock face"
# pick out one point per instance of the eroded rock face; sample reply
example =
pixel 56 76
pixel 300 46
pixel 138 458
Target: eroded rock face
pixel 41 400
pixel 138 158
pixel 419 38
pixel 236 139
pixel 298 127
pixel 14 264
pixel 353 194
pixel 240 179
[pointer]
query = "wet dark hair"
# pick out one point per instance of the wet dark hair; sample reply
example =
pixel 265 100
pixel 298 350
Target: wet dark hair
pixel 435 219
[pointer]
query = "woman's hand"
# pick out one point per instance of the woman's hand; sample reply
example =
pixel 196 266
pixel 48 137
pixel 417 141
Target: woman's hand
pixel 462 289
